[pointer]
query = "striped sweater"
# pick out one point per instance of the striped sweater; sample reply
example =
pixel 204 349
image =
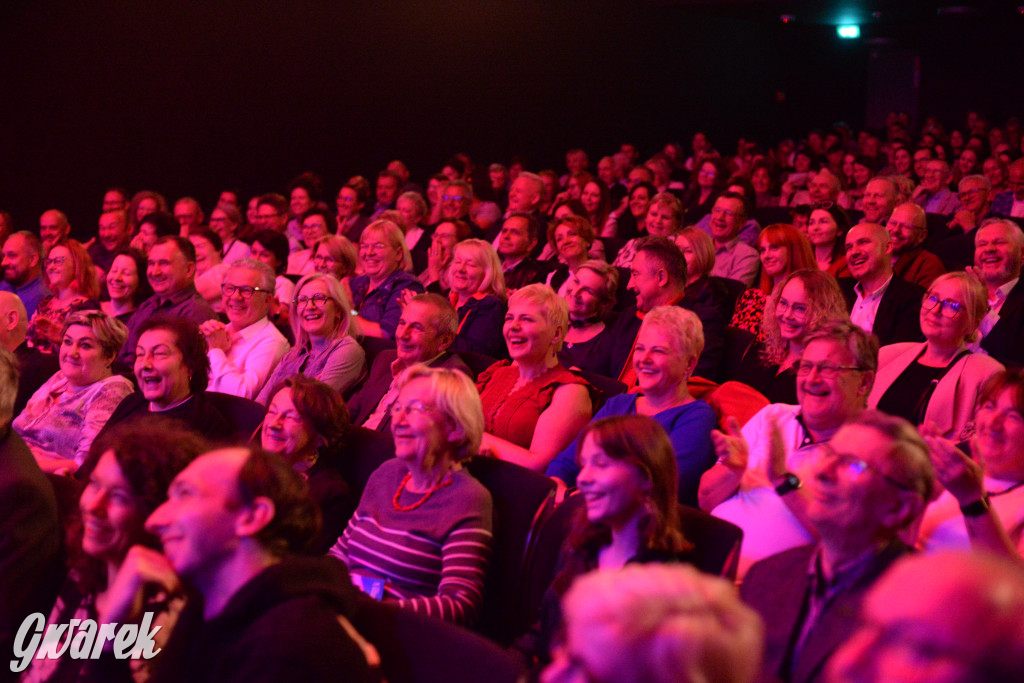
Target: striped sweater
pixel 434 558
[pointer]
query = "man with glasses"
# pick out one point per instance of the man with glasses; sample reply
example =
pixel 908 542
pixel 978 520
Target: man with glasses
pixel 244 352
pixel 171 272
pixel 864 487
pixel 908 228
pixel 755 482
pixel 734 259
pixel 456 200
pixel 957 248
pixel 933 194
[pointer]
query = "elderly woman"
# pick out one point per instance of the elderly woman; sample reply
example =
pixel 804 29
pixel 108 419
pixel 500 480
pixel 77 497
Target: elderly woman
pixel 70 274
pixel 306 424
pixel 826 229
pixel 316 224
pixel 993 472
pixel 478 295
pixel 802 302
pixel 66 413
pixel 533 406
pixel 385 262
pixel 666 352
pixel 938 380
pixel 591 294
pixel 325 346
pixel 126 475
pixel 783 249
pixel 172 370
pixel 422 532
pixel 627 477
pixel 663 219
pixel 126 284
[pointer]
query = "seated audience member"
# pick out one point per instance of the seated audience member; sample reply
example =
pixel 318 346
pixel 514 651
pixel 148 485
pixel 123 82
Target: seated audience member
pixel 30 565
pixel 879 200
pixel 422 532
pixel 658 278
pixel 1010 203
pixel 706 184
pixel 880 301
pixel 632 222
pixel 66 413
pixel 34 368
pixel 23 269
pixel 413 208
pixel 591 294
pixel 71 276
pixel 597 201
pixel 272 248
pixel 126 284
pixel 226 221
pixel 172 371
pixel 752 482
pixel 734 259
pixel 116 198
pixel 868 484
pixel 801 303
pixel 349 205
pixel 983 502
pixel 822 187
pixel 667 348
pixel 938 380
pixel 764 179
pixel 908 228
pixel 304 194
pixel 389 185
pixel 153 227
pixel 998 251
pixel 702 287
pixel 423 337
pixel 145 203
pixel 210 269
pixel 54 228
pixel 325 345
pixel 439 256
pixel 272 211
pixel 306 424
pixel 783 249
pixel 189 214
pixel 125 479
pixel 478 294
pixel 232 527
pixel 533 406
pixel 114 234
pixel 955 248
pixel 950 618
pixel 316 224
pixel 515 243
pixel 933 194
pixel 171 274
pixel 627 477
pixel 661 624
pixel 572 238
pixel 335 255
pixel 664 218
pixel 244 352
pixel 377 293
pixel 826 229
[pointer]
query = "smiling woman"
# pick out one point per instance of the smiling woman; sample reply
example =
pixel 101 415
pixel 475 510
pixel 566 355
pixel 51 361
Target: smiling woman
pixel 70 274
pixel 385 261
pixel 478 295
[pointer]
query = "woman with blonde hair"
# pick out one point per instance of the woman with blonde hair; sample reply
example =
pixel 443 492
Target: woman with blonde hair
pixel 325 345
pixel 591 294
pixel 478 295
pixel 69 273
pixel 385 262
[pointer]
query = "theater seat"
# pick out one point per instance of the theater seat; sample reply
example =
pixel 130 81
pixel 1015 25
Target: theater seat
pixel 477 362
pixel 245 415
pixel 364 450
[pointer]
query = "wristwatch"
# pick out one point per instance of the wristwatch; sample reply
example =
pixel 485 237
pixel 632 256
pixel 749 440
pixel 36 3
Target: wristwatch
pixel 977 508
pixel 790 483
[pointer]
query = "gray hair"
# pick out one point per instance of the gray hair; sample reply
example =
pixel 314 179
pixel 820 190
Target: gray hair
pixel 268 281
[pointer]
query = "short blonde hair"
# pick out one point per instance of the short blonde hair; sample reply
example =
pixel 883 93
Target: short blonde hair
pixel 484 254
pixel 554 307
pixel 455 395
pixel 394 236
pixel 110 332
pixel 682 326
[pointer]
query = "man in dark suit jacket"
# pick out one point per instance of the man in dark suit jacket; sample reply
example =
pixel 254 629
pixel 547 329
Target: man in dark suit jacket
pixel 519 235
pixel 424 333
pixel 879 301
pixel 867 484
pixel 998 253
pixel 30 535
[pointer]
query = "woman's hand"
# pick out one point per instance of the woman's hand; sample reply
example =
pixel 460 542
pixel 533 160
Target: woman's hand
pixel 730 446
pixel 961 476
pixel 405 298
pixel 142 567
pixel 437 258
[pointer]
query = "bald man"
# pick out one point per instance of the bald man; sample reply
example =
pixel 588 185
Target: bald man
pixel 34 367
pixel 908 228
pixel 54 228
pixel 879 301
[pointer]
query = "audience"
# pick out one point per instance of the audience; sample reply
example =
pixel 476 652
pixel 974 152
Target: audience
pixel 71 277
pixel 478 295
pixel 23 269
pixel 385 261
pixel 908 229
pixel 127 285
pixel 591 294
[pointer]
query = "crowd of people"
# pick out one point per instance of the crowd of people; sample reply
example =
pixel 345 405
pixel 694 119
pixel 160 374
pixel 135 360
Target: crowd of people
pixel 814 349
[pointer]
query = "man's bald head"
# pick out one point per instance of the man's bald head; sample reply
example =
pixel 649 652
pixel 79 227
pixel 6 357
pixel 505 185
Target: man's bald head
pixel 13 321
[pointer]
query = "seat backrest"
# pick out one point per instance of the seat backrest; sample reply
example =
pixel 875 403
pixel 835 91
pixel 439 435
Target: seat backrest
pixel 414 648
pixel 245 415
pixel 477 362
pixel 363 452
pixel 551 537
pixel 716 541
pixel 374 345
pixel 522 499
pixel 606 385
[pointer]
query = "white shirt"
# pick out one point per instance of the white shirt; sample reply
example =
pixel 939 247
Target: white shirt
pixel 235 251
pixel 244 369
pixel 995 304
pixel 1017 211
pixel 865 308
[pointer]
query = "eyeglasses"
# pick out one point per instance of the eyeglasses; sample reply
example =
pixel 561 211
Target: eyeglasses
pixel 948 307
pixel 245 292
pixel 822 206
pixel 727 212
pixel 855 467
pixel 56 261
pixel 375 248
pixel 967 194
pixel 413 407
pixel 708 174
pixel 826 370
pixel 320 258
pixel 453 197
pixel 318 300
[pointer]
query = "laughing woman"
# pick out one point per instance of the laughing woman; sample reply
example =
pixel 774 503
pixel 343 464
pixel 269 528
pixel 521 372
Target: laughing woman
pixel 478 295
pixel 385 262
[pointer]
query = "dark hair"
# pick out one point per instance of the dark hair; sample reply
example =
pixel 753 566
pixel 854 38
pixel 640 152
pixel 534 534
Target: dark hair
pixel 189 341
pixel 208 235
pixel 144 291
pixel 187 249
pixel 329 219
pixel 312 183
pixel 276 243
pixel 164 224
pixel 296 521
pixel 279 203
pixel 842 225
pixel 319 405
pixel 533 226
pixel 667 254
pixel 1000 382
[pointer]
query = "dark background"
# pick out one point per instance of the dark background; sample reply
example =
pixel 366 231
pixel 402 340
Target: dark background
pixel 189 98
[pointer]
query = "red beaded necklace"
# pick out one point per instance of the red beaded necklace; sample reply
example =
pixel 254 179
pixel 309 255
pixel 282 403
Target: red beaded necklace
pixel 401 487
